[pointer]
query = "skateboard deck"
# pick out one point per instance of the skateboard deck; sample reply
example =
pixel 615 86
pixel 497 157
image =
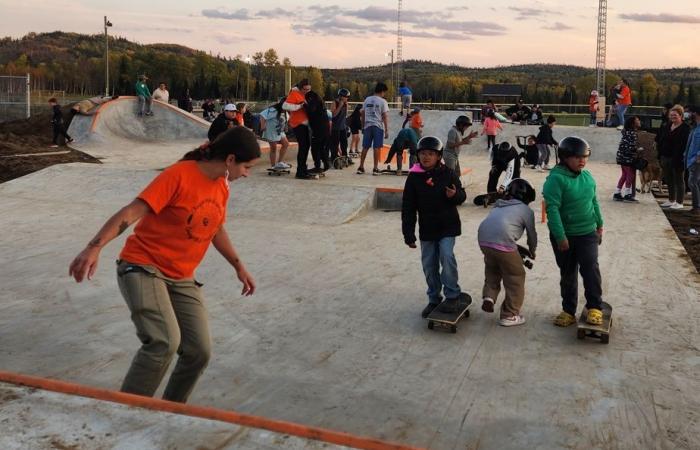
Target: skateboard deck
pixel 278 172
pixel 601 332
pixel 449 320
pixel 526 256
pixel 393 172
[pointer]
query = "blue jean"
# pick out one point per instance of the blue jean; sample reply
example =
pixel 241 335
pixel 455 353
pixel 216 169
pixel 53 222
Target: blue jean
pixel 373 137
pixel 621 109
pixel 594 116
pixel 144 103
pixel 433 255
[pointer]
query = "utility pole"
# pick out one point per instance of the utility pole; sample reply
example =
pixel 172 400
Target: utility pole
pixel 399 46
pixel 247 81
pixel 107 24
pixel 600 53
pixel 390 54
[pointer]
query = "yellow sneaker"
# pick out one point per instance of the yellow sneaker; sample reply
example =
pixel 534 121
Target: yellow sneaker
pixel 564 319
pixel 594 317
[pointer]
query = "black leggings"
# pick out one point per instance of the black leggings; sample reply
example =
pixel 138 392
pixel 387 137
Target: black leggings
pixel 490 141
pixel 59 130
pixel 338 138
pixel 301 132
pixel 319 151
pixel 675 179
pixel 496 171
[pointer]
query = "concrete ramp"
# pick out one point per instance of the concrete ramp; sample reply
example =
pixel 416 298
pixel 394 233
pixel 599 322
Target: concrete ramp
pixel 117 135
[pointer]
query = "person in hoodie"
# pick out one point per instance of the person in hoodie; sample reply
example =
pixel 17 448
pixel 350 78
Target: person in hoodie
pixel 543 140
pixel 144 96
pixel 504 158
pixel 299 123
pixel 433 192
pixel 497 237
pixel 626 156
pixel 320 131
pixel 575 230
pixel 530 153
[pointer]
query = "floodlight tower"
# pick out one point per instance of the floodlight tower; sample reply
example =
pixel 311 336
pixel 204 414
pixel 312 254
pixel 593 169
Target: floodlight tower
pixel 600 50
pixel 399 45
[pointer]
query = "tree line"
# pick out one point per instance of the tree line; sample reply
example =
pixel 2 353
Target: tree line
pixel 74 63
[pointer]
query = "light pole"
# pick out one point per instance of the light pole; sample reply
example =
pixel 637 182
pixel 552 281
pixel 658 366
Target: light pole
pixel 390 54
pixel 247 81
pixel 107 24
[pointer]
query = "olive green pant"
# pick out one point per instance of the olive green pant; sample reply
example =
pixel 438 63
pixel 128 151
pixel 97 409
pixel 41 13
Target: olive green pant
pixel 170 317
pixel 506 267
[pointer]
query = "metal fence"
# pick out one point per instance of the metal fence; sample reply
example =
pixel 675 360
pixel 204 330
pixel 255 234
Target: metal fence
pixel 15 97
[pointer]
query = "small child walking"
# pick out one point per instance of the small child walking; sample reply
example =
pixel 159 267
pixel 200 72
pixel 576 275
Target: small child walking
pixel 625 158
pixel 434 191
pixel 490 129
pixel 497 237
pixel 593 108
pixel 543 140
pixel 576 230
pixel 57 123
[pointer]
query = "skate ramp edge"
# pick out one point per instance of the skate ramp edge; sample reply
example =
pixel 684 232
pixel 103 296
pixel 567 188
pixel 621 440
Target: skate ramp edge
pixel 389 199
pixel 203 412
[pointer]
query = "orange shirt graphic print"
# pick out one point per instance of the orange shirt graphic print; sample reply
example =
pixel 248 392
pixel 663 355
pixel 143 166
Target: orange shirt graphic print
pixel 204 221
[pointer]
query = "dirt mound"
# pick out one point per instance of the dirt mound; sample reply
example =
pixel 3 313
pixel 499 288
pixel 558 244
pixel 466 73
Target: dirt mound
pixel 33 135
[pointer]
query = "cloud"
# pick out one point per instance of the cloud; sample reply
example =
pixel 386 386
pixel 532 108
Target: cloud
pixel 447 36
pixel 558 26
pixel 662 18
pixel 159 29
pixel 275 13
pixel 241 14
pixel 468 27
pixel 378 14
pixel 527 13
pixel 334 25
pixel 229 39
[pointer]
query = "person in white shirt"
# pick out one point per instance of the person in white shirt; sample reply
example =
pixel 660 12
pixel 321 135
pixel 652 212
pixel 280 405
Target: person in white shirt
pixel 375 125
pixel 161 94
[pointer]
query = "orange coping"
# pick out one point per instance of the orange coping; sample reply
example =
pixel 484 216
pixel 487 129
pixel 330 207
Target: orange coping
pixel 277 426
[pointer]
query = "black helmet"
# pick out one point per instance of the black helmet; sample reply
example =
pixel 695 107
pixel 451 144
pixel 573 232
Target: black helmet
pixel 573 146
pixel 463 121
pixel 520 189
pixel 343 93
pixel 430 143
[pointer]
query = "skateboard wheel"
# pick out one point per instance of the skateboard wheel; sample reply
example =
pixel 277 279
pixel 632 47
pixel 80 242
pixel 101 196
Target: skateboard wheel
pixel 431 325
pixel 453 329
pixel 605 338
pixel 580 334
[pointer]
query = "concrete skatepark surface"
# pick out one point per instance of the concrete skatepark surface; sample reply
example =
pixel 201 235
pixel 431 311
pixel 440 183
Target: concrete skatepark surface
pixel 333 337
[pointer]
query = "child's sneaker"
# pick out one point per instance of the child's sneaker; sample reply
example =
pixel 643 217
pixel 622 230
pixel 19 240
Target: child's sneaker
pixel 487 305
pixel 676 206
pixel 594 317
pixel 376 172
pixel 511 321
pixel 628 198
pixel 428 309
pixel 564 319
pixel 360 170
pixel 667 204
pixel 618 197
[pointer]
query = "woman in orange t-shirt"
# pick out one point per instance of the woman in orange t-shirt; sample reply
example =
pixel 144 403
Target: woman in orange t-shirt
pixel 179 214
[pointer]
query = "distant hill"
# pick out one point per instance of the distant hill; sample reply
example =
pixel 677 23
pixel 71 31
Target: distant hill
pixel 74 63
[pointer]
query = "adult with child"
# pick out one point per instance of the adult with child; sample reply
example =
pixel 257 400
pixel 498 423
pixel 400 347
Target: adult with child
pixel 273 124
pixel 624 101
pixel 57 124
pixel 672 142
pixel 544 140
pixel 575 230
pixel 433 192
pixel 144 96
pixel 224 121
pixel 457 137
pixel 299 122
pixel 161 93
pixel 406 97
pixel 692 159
pixel 179 214
pixel 355 123
pixel 375 126
pixel 339 126
pixel 626 158
pixel 491 125
pixel 497 236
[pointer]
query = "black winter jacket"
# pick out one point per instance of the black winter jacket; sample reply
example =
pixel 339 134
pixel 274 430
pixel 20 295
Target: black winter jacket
pixel 627 151
pixel 672 143
pixel 545 136
pixel 219 125
pixel 425 194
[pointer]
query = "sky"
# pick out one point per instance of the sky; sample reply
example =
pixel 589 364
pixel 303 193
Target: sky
pixel 336 34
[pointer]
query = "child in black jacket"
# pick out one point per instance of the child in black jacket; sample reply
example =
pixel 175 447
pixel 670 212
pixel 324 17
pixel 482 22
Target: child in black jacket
pixel 433 191
pixel 57 123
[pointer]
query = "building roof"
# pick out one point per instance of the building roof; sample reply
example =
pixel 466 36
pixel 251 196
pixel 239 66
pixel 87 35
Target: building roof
pixel 502 90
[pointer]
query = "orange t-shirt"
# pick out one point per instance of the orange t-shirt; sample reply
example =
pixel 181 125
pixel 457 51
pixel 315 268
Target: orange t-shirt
pixel 239 118
pixel 416 121
pixel 299 116
pixel 626 96
pixel 187 210
pixel 592 103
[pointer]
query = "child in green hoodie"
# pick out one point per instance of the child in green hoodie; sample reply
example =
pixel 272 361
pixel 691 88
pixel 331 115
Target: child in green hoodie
pixel 576 230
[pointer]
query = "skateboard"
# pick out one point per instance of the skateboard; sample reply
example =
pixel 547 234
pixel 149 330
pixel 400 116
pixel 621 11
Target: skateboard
pixel 449 320
pixel 526 256
pixel 486 199
pixel 601 332
pixel 341 162
pixel 278 172
pixel 393 172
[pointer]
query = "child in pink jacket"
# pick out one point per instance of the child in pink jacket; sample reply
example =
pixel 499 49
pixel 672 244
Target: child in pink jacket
pixel 491 127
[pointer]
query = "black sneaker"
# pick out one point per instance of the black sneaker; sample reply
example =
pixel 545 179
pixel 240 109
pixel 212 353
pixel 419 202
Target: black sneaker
pixel 628 198
pixel 360 170
pixel 450 305
pixel 618 197
pixel 428 309
pixel 306 176
pixel 376 172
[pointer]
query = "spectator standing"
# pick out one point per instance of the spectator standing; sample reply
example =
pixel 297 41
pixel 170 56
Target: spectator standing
pixel 355 127
pixel 692 159
pixel 673 141
pixel 339 126
pixel 161 94
pixel 224 121
pixel 320 131
pixel 624 101
pixel 144 95
pixel 593 108
pixel 406 97
pixel 375 126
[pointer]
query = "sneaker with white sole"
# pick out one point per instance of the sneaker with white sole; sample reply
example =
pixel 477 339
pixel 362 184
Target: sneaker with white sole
pixel 511 321
pixel 667 204
pixel 676 206
pixel 280 166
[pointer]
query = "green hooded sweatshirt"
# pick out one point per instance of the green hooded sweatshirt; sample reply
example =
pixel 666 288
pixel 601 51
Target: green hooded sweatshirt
pixel 572 206
pixel 142 89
